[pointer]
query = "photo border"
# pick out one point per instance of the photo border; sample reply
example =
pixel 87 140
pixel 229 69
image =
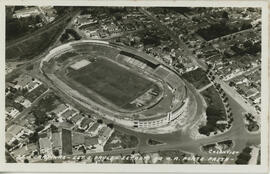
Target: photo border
pixel 123 168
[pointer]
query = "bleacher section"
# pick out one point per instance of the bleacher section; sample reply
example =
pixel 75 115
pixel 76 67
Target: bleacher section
pixel 100 50
pixel 173 80
pixel 139 59
pixel 162 72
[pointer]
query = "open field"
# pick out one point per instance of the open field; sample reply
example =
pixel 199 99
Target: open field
pixel 197 78
pixel 34 46
pixel 111 81
pixel 119 140
pixel 215 111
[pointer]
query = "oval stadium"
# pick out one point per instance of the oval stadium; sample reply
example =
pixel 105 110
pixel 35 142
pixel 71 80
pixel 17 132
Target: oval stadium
pixel 121 84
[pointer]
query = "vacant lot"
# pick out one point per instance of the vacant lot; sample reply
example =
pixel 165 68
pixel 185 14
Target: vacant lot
pixel 197 78
pixel 215 112
pixel 120 140
pixel 111 81
pixel 28 47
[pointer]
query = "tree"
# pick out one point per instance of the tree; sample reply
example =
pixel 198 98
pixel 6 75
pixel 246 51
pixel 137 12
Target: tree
pixel 33 138
pixel 56 153
pixel 232 84
pixel 218 86
pixel 100 121
pixel 110 125
pixel 225 15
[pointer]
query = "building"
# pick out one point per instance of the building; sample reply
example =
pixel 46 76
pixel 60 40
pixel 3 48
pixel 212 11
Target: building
pixel 14 132
pixel 12 112
pixel 104 134
pixel 22 81
pixel 55 142
pixel 25 150
pixel 93 129
pixel 26 12
pixel 26 103
pixel 69 113
pixel 60 109
pixel 86 123
pixel 76 119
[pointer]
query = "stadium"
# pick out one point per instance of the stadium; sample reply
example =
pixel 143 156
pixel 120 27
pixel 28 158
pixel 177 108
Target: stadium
pixel 128 87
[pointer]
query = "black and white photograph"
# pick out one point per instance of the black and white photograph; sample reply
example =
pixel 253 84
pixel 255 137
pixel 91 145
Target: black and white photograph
pixel 141 85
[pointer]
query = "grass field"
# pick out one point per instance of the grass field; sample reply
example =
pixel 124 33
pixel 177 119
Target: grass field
pixel 111 81
pixel 197 78
pixel 120 140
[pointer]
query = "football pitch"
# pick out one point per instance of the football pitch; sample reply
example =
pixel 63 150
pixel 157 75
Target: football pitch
pixel 111 81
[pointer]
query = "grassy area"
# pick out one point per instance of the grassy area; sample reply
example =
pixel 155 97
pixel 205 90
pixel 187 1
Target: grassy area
pixel 215 111
pixel 197 77
pixel 46 104
pixel 14 75
pixel 121 140
pixel 10 98
pixel 66 142
pixel 244 156
pixel 65 56
pixel 154 142
pixel 9 159
pixel 35 45
pixel 29 67
pixel 111 81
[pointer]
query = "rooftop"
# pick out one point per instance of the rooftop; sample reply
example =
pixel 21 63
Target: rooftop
pixel 76 118
pixel 14 129
pixel 94 127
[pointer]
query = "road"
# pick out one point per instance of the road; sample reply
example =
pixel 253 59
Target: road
pixel 240 100
pixel 181 141
pixel 245 72
pixel 42 55
pixel 205 87
pixel 33 62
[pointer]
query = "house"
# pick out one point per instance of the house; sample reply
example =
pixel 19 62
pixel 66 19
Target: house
pixel 14 132
pixel 12 112
pixel 22 81
pixel 26 103
pixel 69 113
pixel 76 119
pixel 79 139
pixel 60 109
pixel 33 85
pixel 86 123
pixel 93 130
pixel 104 135
pixel 26 12
pixel 56 141
pixel 64 125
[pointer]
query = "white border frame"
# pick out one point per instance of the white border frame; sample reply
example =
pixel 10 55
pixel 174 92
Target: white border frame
pixel 119 168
